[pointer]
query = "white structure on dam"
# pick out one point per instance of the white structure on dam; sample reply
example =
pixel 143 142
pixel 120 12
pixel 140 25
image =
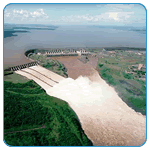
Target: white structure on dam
pixel 71 52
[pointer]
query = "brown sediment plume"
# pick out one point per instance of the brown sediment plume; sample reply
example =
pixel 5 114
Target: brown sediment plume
pixel 76 68
pixel 105 118
pixel 16 59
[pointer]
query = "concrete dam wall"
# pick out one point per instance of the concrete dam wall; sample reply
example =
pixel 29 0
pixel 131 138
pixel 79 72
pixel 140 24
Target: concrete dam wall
pixel 44 77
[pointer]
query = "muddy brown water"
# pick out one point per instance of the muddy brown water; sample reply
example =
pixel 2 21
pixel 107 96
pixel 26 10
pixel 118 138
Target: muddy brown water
pixel 111 123
pixel 16 59
pixel 76 68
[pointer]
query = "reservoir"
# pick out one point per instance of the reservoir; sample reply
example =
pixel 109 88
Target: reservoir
pixel 70 36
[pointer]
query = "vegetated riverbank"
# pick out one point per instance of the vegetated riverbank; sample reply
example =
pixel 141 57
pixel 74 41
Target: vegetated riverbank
pixel 56 124
pixel 116 69
pixel 101 129
pixel 105 118
pixel 50 64
pixel 33 118
pixel 120 68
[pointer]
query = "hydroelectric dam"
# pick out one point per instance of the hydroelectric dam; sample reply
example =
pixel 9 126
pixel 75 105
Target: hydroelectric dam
pixel 104 117
pixel 42 76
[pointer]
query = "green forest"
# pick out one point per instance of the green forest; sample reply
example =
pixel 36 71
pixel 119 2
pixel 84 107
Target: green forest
pixel 33 118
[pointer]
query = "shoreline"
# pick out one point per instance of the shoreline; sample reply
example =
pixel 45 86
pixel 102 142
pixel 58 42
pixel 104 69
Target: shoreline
pixel 108 120
pixel 20 58
pixel 115 129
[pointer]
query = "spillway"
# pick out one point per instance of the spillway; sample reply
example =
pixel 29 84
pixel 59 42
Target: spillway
pixel 105 118
pixel 44 77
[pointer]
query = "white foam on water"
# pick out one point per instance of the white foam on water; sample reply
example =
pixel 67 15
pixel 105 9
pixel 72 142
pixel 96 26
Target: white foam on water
pixel 84 94
pixel 104 117
pixel 79 92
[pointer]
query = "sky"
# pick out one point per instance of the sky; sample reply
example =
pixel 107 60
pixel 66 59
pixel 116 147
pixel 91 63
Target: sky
pixel 76 14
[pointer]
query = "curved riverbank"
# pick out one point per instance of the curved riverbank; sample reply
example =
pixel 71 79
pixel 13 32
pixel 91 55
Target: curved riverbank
pixel 34 109
pixel 105 118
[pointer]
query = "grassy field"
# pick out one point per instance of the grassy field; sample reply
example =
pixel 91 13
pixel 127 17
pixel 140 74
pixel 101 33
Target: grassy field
pixel 32 118
pixel 130 88
pixel 50 64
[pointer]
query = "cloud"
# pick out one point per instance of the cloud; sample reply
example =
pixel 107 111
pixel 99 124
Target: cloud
pixel 121 16
pixel 104 13
pixel 25 15
pixel 107 16
pixel 116 7
pixel 114 15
